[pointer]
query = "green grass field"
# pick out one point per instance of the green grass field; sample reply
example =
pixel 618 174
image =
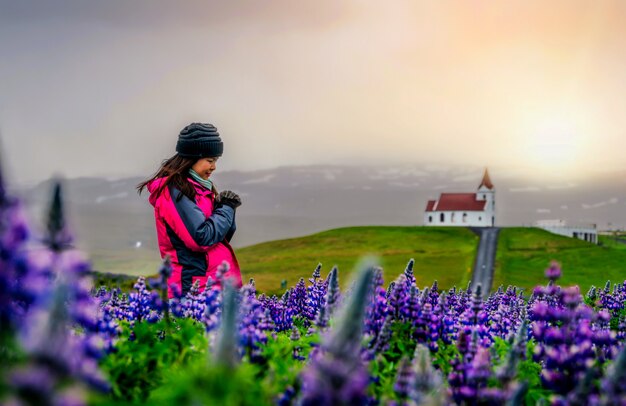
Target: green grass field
pixel 445 254
pixel 524 254
pixel 611 242
pixel 442 254
pixel 134 262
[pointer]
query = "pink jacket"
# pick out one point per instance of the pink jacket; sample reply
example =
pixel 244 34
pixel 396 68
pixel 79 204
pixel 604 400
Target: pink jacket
pixel 194 234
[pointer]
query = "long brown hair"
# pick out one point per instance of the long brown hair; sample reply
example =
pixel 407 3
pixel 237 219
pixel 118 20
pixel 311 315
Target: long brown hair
pixel 175 170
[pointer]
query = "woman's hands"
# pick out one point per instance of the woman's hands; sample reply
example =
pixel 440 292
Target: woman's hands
pixel 229 198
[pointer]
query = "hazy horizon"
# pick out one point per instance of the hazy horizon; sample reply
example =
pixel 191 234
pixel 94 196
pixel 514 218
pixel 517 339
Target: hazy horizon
pixel 102 88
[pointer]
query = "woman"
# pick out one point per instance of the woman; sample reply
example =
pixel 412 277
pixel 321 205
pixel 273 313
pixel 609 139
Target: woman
pixel 194 224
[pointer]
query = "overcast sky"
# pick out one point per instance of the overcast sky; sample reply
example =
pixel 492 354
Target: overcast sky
pixel 103 87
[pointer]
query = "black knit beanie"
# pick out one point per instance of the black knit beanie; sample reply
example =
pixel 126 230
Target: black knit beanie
pixel 199 140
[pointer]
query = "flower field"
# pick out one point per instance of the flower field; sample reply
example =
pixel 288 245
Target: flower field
pixel 66 342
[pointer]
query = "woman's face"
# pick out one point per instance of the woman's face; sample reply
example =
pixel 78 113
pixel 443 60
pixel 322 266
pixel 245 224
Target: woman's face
pixel 205 166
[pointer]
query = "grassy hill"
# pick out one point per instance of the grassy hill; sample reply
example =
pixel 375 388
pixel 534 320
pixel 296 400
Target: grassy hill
pixel 524 253
pixel 444 254
pixel 613 242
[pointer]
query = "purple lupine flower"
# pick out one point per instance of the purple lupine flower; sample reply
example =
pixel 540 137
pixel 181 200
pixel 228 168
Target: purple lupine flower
pixel 571 338
pixel 108 326
pixel 286 397
pixel 457 379
pixel 160 284
pixel 25 275
pixel 404 379
pixel 399 298
pixel 298 300
pixel 435 327
pixel 592 294
pixel 380 342
pixel 414 304
pixel 281 314
pixel 433 294
pixel 295 334
pixel 317 272
pixel 212 300
pixel 477 304
pixel 507 372
pixel 34 383
pixel 419 315
pixel 47 339
pixel 333 294
pixel 554 271
pixel 448 323
pixel 474 320
pixel 194 304
pixel 427 387
pixel 315 295
pixel 294 337
pixel 47 335
pixel 504 310
pixel 251 287
pixel 336 374
pixel 322 319
pixel 377 309
pixel 350 326
pixel 613 385
pixel 140 301
pixel 478 373
pixel 408 273
pixel 254 325
pixel 585 392
pixel 390 288
pixel 226 353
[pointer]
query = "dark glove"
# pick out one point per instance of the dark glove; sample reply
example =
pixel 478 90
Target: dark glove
pixel 229 198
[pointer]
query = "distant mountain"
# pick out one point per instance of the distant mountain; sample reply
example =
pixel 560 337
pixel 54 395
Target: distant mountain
pixel 284 202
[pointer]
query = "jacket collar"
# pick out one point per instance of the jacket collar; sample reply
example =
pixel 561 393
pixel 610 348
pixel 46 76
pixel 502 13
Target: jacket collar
pixel 199 188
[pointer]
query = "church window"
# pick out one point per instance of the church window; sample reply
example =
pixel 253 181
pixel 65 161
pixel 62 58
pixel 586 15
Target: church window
pixel 442 217
pixel 430 219
pixel 480 218
pixel 465 217
pixel 452 218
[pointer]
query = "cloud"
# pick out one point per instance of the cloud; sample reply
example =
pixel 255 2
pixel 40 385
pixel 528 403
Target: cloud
pixel 524 189
pixel 405 185
pixel 613 200
pixel 466 178
pixel 568 185
pixel 90 87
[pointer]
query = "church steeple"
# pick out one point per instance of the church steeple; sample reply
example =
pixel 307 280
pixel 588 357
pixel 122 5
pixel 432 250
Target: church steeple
pixel 486 182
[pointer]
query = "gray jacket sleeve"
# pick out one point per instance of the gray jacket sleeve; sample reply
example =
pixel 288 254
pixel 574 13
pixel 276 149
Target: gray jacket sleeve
pixel 204 231
pixel 231 232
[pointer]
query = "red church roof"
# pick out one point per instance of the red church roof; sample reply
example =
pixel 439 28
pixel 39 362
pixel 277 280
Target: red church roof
pixel 456 202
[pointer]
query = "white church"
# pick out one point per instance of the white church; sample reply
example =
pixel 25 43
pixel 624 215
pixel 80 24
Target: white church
pixel 464 209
